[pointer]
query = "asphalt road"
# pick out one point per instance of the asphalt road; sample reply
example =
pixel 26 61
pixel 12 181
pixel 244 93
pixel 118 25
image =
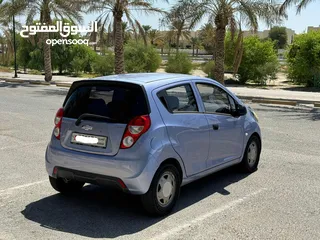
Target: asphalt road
pixel 280 201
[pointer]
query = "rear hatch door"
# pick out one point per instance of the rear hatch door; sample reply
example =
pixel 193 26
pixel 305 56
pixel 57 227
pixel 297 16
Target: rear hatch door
pixel 96 114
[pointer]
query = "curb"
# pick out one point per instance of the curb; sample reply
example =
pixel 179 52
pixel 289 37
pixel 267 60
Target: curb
pixel 40 83
pixel 35 82
pixel 278 101
pixel 14 80
pixel 275 101
pixel 292 102
pixel 63 84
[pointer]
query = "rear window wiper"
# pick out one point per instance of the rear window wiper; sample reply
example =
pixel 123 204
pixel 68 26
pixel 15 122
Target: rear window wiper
pixel 93 116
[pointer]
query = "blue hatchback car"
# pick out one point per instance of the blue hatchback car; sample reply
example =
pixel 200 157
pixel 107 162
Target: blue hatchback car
pixel 149 134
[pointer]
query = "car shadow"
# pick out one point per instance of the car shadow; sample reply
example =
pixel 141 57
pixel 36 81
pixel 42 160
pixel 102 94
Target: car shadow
pixel 103 213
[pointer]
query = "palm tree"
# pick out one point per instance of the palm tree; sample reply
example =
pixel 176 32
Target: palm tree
pixel 46 9
pixel 7 10
pixel 223 13
pixel 153 35
pixel 195 42
pixel 146 31
pixel 180 20
pixel 112 11
pixel 207 37
pixel 301 4
pixel 160 42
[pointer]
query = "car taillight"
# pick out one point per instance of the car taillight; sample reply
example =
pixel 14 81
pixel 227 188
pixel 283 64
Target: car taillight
pixel 57 123
pixel 135 128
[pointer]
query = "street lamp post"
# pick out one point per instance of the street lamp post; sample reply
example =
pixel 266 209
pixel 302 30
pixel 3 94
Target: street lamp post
pixel 14 44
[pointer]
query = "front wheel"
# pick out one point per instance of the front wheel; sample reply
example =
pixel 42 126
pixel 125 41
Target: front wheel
pixel 164 191
pixel 251 156
pixel 65 186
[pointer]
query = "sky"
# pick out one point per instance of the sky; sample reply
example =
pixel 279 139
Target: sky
pixel 309 16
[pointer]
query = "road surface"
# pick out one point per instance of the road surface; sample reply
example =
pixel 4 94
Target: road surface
pixel 279 201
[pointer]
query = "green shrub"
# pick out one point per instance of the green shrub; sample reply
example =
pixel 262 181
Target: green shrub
pixel 104 65
pixel 141 58
pixel 34 72
pixel 82 59
pixel 208 67
pixel 259 61
pixel 303 59
pixel 77 65
pixel 179 63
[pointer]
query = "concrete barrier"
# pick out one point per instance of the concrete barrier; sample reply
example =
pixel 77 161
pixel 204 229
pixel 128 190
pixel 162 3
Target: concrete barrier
pixel 62 84
pixel 274 101
pixel 15 80
pixel 40 83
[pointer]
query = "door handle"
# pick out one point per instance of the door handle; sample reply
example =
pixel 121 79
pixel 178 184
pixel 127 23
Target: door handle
pixel 215 126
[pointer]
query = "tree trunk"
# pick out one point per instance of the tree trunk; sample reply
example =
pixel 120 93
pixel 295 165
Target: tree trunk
pixel 47 58
pixel 95 40
pixel 238 53
pixel 193 50
pixel 178 41
pixel 118 45
pixel 197 53
pixel 218 71
pixel 45 17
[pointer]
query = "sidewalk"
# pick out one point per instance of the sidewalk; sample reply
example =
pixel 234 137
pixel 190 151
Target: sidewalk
pixel 241 92
pixel 279 94
pixel 36 78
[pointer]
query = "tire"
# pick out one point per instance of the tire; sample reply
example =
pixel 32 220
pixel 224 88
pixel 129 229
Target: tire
pixel 166 182
pixel 65 187
pixel 251 158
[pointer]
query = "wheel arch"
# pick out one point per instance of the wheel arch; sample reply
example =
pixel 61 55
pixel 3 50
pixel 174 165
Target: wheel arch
pixel 255 134
pixel 175 163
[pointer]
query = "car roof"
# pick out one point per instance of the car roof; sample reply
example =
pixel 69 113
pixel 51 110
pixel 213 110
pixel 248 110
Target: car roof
pixel 153 80
pixel 146 78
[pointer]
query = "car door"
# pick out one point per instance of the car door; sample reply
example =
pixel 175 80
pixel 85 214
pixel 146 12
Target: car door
pixel 187 127
pixel 226 131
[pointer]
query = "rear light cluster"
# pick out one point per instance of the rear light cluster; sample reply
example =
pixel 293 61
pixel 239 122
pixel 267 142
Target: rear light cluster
pixel 135 128
pixel 57 123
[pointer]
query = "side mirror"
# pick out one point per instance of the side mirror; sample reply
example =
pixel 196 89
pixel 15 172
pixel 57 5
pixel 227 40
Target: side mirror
pixel 240 111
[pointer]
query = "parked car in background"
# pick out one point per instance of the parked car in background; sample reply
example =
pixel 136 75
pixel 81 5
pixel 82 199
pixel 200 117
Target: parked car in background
pixel 149 134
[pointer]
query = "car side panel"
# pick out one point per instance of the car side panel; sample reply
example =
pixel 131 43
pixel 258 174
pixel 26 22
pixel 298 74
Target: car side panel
pixel 188 134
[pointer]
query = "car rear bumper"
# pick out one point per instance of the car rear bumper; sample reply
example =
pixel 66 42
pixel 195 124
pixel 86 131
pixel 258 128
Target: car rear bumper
pixel 102 170
pixel 86 177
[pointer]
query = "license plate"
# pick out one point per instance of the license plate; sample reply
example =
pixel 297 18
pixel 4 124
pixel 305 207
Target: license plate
pixel 90 140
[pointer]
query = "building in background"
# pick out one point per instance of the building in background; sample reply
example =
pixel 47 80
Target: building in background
pixel 264 34
pixel 310 28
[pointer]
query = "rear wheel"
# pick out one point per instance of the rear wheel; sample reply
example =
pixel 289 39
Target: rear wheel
pixel 164 191
pixel 65 186
pixel 251 156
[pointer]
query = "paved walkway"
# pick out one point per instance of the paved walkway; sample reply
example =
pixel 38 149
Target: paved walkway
pixel 244 92
pixel 31 77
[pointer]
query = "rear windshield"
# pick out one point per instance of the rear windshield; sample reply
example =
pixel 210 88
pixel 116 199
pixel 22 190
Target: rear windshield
pixel 120 103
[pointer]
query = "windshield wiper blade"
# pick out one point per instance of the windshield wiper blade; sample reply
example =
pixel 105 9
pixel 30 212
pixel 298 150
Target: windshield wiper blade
pixel 90 116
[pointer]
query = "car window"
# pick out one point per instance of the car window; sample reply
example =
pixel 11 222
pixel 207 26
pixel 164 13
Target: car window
pixel 215 99
pixel 116 102
pixel 233 105
pixel 178 99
